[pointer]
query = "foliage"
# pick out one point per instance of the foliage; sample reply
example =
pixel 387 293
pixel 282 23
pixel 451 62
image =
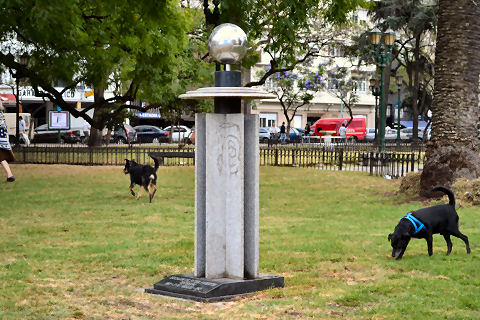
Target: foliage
pixel 287 31
pixel 416 22
pixel 343 84
pixel 295 90
pixel 133 48
pixel 87 259
pixel 193 72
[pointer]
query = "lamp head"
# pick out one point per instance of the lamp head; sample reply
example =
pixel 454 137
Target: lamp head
pixel 399 79
pixel 227 43
pixel 375 36
pixel 389 37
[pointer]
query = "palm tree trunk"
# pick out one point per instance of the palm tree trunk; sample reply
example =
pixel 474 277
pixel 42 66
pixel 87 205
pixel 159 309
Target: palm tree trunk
pixel 452 152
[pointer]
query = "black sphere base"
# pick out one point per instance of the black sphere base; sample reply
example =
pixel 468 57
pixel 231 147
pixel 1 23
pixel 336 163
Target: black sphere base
pixel 186 286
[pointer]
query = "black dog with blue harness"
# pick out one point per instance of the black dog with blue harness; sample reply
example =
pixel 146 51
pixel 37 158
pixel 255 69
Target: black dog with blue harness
pixel 426 222
pixel 417 224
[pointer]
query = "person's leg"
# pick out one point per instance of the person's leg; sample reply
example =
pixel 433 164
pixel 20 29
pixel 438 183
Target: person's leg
pixel 8 171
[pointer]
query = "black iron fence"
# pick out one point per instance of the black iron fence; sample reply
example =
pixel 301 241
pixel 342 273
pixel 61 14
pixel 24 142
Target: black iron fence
pixel 109 156
pixel 395 162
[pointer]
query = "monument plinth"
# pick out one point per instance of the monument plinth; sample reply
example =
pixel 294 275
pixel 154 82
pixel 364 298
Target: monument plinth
pixel 226 187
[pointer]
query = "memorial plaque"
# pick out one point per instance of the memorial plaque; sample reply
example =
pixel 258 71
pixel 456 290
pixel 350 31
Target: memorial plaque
pixel 187 286
pixel 183 284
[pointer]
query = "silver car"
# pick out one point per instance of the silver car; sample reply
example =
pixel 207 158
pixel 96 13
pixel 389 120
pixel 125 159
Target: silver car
pixel 263 135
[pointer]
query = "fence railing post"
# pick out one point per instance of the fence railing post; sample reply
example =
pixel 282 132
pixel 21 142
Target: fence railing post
pixel 340 159
pixel 413 162
pixel 370 161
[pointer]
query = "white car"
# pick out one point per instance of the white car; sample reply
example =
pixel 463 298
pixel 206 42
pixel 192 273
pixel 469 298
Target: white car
pixel 263 135
pixel 407 133
pixel 179 133
pixel 390 134
pixel 370 136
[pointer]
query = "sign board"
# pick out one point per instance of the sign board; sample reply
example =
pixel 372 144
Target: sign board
pixel 149 115
pixel 58 120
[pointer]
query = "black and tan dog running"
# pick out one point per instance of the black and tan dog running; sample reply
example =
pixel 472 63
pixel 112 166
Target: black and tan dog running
pixel 423 223
pixel 142 174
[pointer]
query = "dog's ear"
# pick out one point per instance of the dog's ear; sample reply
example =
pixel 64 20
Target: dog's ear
pixel 406 235
pixel 390 237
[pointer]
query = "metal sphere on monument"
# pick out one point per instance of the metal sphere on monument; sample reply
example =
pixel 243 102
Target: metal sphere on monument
pixel 227 43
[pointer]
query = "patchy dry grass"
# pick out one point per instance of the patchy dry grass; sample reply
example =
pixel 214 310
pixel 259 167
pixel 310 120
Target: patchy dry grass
pixel 76 245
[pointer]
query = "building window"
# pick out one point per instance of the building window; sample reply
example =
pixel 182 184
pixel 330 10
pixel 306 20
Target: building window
pixel 359 85
pixel 267 119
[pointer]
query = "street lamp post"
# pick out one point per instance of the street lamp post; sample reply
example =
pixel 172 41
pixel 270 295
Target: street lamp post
pixel 399 79
pixel 382 42
pixel 375 87
pixel 18 75
pixel 17 105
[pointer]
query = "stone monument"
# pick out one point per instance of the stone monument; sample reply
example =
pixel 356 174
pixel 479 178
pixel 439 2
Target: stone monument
pixel 226 186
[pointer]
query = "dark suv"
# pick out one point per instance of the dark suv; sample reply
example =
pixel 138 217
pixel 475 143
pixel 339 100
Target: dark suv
pixel 151 134
pixel 124 133
pixel 45 135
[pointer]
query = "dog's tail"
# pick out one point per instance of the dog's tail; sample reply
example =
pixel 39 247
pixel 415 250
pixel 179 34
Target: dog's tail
pixel 448 192
pixel 157 164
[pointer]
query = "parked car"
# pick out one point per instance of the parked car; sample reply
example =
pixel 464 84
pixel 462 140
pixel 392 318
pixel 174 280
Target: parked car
pixel 124 133
pixel 370 136
pixel 274 132
pixel 150 134
pixel 300 131
pixel 390 134
pixel 407 133
pixel 263 135
pixel 43 135
pixel 295 135
pixel 179 133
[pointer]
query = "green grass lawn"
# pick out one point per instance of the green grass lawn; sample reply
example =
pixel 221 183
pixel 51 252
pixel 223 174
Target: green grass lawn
pixel 75 244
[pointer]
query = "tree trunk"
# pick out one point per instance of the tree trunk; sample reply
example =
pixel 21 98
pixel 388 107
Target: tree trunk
pixel 452 152
pixel 98 122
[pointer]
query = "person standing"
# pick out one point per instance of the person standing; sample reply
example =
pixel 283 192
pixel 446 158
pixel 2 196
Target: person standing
pixel 307 132
pixel 342 132
pixel 22 128
pixel 86 131
pixel 6 154
pixel 307 129
pixel 283 135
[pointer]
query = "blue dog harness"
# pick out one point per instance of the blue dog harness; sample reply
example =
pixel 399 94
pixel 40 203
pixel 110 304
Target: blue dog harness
pixel 417 224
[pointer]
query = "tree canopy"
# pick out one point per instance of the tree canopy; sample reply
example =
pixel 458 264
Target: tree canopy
pixel 131 47
pixel 290 32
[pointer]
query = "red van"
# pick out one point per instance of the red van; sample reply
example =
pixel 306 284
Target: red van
pixel 357 129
